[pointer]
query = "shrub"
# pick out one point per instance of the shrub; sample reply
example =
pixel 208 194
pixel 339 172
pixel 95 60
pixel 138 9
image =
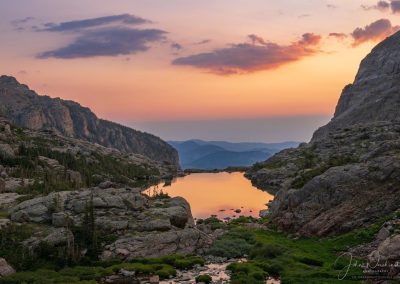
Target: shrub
pixel 247 272
pixel 204 278
pixel 266 251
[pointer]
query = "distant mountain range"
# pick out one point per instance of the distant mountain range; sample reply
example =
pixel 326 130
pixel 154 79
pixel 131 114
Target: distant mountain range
pixel 210 155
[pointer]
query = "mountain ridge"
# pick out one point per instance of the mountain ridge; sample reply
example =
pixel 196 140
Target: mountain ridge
pixel 211 155
pixel 26 108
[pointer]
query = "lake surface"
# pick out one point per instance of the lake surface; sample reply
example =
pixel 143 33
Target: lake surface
pixel 217 194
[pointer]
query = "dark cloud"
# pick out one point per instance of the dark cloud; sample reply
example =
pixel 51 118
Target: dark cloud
pixel 395 6
pixel 339 36
pixel 375 31
pixel 103 36
pixel 392 6
pixel 124 19
pixel 107 42
pixel 381 6
pixel 246 58
pixel 176 46
pixel 310 39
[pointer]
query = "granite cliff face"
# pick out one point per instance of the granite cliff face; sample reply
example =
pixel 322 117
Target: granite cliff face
pixel 348 175
pixel 25 108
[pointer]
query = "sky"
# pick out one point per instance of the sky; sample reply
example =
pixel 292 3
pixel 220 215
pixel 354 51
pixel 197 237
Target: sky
pixel 238 70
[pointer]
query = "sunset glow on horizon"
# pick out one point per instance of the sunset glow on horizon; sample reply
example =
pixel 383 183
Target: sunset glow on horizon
pixel 137 62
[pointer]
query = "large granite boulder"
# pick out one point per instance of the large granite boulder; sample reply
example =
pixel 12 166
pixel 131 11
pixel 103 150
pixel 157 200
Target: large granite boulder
pixel 143 227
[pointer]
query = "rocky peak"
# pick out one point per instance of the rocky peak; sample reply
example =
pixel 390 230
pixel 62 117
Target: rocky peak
pixel 348 176
pixel 8 80
pixel 374 95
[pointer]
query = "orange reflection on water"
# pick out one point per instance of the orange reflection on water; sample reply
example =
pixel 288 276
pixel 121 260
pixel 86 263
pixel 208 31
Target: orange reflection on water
pixel 218 194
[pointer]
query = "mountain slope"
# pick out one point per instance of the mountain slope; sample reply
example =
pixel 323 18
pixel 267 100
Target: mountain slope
pixel 25 108
pixel 38 162
pixel 348 176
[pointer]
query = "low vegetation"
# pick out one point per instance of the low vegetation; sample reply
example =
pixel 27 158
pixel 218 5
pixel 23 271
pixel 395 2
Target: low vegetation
pixel 92 167
pixel 304 260
pixel 164 267
pixel 311 167
pixel 204 278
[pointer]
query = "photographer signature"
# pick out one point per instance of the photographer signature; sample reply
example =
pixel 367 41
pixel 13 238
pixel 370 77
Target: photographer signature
pixel 356 263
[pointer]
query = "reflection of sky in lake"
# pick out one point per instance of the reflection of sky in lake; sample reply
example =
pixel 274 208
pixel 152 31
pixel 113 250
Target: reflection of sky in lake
pixel 218 194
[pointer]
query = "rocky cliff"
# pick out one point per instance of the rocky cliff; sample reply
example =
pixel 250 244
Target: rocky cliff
pixel 27 109
pixel 349 174
pixel 84 200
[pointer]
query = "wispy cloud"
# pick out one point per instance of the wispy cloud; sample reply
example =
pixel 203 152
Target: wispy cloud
pixel 124 19
pixel 340 36
pixel 204 41
pixel 375 31
pixel 255 39
pixel 176 46
pixel 251 57
pixel 20 24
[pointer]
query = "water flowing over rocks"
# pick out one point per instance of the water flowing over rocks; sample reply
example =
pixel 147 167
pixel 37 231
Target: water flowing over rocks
pixel 348 175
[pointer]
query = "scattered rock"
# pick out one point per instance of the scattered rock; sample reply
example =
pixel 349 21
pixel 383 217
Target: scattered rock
pixel 388 250
pixel 5 268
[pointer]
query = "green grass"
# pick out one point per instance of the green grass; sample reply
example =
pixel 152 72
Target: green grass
pixel 305 260
pixel 247 273
pixel 165 267
pixel 44 276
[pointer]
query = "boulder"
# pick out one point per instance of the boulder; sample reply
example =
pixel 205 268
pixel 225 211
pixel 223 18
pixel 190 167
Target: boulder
pixel 147 245
pixel 60 219
pixel 388 250
pixel 5 268
pixel 143 227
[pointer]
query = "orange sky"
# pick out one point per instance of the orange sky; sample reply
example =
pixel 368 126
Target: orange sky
pixel 146 86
